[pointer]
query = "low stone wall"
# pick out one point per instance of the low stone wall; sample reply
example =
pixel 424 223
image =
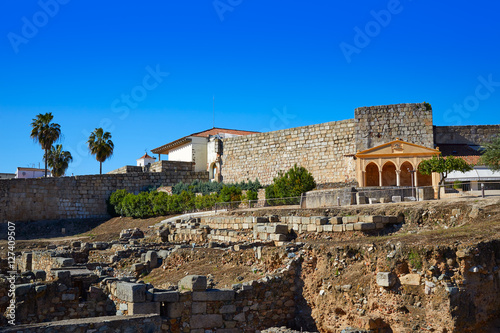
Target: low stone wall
pixel 81 197
pixel 329 198
pixel 141 323
pixel 250 306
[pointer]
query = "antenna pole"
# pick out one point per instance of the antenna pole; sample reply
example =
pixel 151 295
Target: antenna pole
pixel 213 108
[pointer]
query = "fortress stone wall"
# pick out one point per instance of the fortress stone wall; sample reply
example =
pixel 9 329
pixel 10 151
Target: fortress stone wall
pixel 80 196
pixel 326 150
pixel 469 135
pixel 376 125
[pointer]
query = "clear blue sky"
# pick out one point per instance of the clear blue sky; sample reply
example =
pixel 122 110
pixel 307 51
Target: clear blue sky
pixel 270 66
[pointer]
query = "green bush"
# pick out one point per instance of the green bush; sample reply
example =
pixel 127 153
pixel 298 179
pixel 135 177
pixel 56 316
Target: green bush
pixel 291 184
pixel 230 194
pixel 251 195
pixel 206 188
pixel 115 201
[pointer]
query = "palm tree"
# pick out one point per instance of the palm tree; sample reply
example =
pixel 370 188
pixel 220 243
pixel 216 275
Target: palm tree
pixel 59 160
pixel 100 145
pixel 45 133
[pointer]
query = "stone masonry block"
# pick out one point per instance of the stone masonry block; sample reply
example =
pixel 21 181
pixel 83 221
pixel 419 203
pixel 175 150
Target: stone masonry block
pixel 350 219
pixel 213 295
pixel 131 292
pixel 385 279
pixel 144 308
pixel 166 296
pixel 336 220
pixel 206 321
pixel 277 229
pixel 361 226
pixel 193 282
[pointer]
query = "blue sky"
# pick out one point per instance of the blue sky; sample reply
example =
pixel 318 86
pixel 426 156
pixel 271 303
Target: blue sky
pixel 147 71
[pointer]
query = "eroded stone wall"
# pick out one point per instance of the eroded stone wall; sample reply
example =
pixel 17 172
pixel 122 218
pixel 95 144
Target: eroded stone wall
pixel 80 196
pixel 326 150
pixel 376 125
pixel 469 135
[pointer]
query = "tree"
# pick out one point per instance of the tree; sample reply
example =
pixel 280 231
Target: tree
pixel 59 160
pixel 443 166
pixel 101 146
pixel 293 183
pixel 45 133
pixel 491 156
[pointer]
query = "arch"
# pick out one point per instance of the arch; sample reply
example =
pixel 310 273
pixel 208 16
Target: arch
pixel 405 176
pixel 423 180
pixel 372 175
pixel 213 170
pixel 389 174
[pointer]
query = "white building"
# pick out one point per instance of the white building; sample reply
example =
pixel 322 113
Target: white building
pixel 145 160
pixel 202 148
pixel 31 173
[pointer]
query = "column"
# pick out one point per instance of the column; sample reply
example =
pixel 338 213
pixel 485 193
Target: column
pixel 380 178
pixel 363 178
pixel 398 179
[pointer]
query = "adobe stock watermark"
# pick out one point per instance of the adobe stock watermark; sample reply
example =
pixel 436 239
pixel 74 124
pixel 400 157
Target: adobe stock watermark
pixel 121 107
pixel 484 89
pixel 223 6
pixel 31 26
pixel 373 28
pixel 280 121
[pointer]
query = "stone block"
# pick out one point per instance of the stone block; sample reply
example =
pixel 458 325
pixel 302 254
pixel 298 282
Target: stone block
pixel 152 257
pixel 206 321
pixel 231 308
pixel 360 199
pixel 396 198
pixel 144 308
pixel 338 228
pixel 174 310
pixel 199 307
pixel 213 295
pixel 40 274
pixel 68 297
pixel 193 283
pixel 379 225
pixel 410 279
pixel 23 289
pixel 372 218
pixel 350 219
pixel 163 254
pixel 348 227
pixel 319 228
pixel 166 296
pixel 372 201
pixel 311 227
pixel 385 279
pixel 328 228
pixel 131 292
pixel 262 219
pixel 320 220
pixel 64 262
pixel 63 276
pixel 336 220
pixel 361 226
pixel 277 237
pixel 277 229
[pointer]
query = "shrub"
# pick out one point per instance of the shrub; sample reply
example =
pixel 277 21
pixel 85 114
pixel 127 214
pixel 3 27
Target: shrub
pixel 115 207
pixel 230 194
pixel 293 183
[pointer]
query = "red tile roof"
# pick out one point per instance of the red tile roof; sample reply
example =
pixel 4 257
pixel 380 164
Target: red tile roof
pixel 206 134
pixel 146 156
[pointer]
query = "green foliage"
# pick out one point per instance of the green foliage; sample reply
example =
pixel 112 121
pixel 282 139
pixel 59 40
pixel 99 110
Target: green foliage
pixel 252 195
pixel 457 184
pixel 203 202
pixel 206 188
pixel 100 145
pixel 58 160
pixel 293 183
pixel 491 156
pixel 443 166
pixel 138 206
pixel 428 107
pixel 415 259
pixel 230 193
pixel 116 202
pixel 45 133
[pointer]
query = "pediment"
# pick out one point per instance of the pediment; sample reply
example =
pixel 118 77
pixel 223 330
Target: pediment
pixel 397 148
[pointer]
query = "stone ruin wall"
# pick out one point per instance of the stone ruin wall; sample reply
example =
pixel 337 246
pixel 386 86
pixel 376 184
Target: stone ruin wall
pixel 376 125
pixel 469 135
pixel 79 197
pixel 326 150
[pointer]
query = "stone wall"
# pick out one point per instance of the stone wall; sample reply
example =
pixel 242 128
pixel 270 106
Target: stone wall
pixel 80 196
pixel 115 324
pixel 325 150
pixel 470 135
pixel 376 125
